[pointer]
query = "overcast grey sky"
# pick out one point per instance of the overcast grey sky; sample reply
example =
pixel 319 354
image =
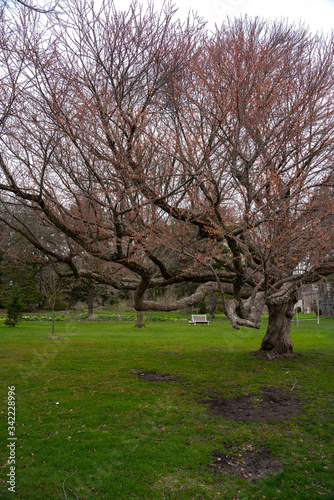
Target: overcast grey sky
pixel 317 14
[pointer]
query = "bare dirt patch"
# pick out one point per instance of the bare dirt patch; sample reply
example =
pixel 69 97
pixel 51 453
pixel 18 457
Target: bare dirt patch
pixel 249 463
pixel 272 404
pixel 158 377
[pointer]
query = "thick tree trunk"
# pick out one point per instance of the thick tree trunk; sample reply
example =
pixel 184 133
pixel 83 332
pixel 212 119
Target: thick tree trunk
pixel 213 304
pixel 188 310
pixel 90 303
pixel 277 341
pixel 132 299
pixel 140 320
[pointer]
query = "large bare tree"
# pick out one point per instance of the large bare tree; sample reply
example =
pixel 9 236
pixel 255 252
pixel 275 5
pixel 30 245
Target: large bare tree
pixel 160 154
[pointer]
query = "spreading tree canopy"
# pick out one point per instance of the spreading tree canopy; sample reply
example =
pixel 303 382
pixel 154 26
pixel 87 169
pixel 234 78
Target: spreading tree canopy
pixel 160 154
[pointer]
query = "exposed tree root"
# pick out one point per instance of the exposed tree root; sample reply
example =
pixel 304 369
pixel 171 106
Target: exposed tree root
pixel 272 354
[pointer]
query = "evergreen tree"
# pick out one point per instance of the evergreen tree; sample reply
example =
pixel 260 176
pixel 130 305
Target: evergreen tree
pixel 24 276
pixel 14 308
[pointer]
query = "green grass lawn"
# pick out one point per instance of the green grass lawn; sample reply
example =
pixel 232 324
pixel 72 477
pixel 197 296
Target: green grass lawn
pixel 81 408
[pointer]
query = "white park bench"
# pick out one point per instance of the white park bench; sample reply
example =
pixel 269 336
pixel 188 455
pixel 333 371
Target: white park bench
pixel 198 319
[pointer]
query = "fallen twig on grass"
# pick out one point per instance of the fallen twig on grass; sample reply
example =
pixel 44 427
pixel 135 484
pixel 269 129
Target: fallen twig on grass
pixel 65 482
pixel 99 427
pixel 294 385
pixel 73 493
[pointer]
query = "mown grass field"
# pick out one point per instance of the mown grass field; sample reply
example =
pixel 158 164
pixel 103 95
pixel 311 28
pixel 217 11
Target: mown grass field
pixel 81 408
